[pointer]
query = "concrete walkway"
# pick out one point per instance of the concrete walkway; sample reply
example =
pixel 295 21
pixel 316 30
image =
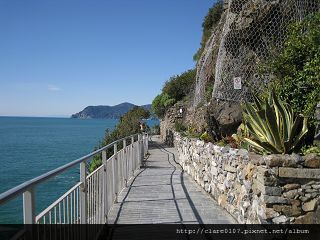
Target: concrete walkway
pixel 162 193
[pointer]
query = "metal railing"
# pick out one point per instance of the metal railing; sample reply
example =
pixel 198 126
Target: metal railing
pixel 90 200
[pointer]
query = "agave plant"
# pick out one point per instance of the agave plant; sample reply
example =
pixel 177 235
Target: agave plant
pixel 273 126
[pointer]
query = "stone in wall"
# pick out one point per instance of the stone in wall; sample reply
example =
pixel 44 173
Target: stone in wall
pixel 253 188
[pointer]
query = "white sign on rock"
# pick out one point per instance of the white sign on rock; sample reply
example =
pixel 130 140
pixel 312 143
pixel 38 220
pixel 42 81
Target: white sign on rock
pixel 237 83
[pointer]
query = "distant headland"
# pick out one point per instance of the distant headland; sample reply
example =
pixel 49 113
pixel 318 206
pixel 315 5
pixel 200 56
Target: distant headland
pixel 107 112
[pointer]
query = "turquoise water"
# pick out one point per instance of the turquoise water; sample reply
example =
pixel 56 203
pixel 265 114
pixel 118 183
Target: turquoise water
pixel 32 146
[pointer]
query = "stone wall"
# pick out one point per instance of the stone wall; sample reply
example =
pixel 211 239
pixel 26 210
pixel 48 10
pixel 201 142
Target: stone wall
pixel 255 188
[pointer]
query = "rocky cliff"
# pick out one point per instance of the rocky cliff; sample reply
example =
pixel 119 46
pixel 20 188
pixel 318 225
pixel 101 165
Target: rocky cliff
pixel 248 32
pixel 246 35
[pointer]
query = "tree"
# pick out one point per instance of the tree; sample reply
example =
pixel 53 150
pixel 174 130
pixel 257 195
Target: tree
pixel 161 103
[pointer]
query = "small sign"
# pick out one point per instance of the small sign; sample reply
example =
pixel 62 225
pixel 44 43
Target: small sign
pixel 237 83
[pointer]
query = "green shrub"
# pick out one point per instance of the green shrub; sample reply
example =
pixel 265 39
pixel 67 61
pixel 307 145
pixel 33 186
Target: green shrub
pixel 297 67
pixel 221 143
pixel 129 124
pixel 177 87
pixel 273 126
pixel 192 132
pixel 206 137
pixel 310 149
pixel 174 90
pixel 179 127
pixel 209 22
pixel 161 103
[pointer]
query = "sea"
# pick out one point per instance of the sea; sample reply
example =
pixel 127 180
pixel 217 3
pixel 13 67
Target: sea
pixel 31 146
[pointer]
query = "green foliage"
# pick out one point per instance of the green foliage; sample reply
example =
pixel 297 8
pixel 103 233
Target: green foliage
pixel 273 126
pixel 297 67
pixel 179 127
pixel 221 143
pixel 161 103
pixel 177 87
pixel 192 132
pixel 95 163
pixel 206 137
pixel 129 124
pixel 239 137
pixel 209 22
pixel 174 90
pixel 311 149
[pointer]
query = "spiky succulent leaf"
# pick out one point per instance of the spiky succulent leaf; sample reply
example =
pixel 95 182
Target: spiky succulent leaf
pixel 273 125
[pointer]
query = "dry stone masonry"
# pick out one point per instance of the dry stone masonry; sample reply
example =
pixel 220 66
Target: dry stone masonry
pixel 255 188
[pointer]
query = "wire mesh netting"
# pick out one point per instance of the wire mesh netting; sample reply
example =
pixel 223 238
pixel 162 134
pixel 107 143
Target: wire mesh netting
pixel 252 29
pixel 202 65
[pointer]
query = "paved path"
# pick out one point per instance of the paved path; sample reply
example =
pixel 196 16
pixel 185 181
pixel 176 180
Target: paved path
pixel 162 193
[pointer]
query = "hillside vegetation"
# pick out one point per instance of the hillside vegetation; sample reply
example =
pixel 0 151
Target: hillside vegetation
pixel 294 65
pixel 129 124
pixel 209 23
pixel 174 90
pixel 107 112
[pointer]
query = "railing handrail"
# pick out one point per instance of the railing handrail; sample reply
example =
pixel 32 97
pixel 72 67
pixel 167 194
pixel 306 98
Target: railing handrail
pixel 58 200
pixel 15 191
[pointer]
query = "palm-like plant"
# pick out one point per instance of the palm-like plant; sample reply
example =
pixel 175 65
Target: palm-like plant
pixel 273 126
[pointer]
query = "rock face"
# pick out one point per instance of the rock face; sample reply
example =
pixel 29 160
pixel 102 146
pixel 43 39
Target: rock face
pixel 224 117
pixel 110 112
pixel 244 37
pixel 251 29
pixel 190 117
pixel 207 62
pixel 252 187
pixel 241 40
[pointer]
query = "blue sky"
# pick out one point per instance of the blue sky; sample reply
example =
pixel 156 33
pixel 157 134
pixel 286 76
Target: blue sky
pixel 57 57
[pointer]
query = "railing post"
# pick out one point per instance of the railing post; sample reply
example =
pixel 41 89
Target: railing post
pixel 105 184
pixel 141 152
pixel 132 155
pixel 147 144
pixel 29 207
pixel 125 175
pixel 115 171
pixel 83 193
